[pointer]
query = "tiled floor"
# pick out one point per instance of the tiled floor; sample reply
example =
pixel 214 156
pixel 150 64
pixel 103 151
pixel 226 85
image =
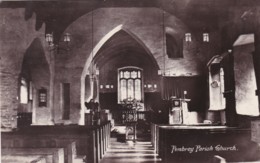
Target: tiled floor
pixel 130 152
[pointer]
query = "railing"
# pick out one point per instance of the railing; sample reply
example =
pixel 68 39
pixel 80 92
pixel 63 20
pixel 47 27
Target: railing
pixel 128 116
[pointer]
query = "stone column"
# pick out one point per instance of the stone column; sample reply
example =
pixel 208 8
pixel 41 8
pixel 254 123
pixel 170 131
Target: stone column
pixel 9 100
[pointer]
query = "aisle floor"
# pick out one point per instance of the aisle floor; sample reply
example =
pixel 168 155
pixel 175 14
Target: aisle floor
pixel 130 152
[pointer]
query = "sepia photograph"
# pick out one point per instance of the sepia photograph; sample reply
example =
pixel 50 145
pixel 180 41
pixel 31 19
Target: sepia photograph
pixel 130 81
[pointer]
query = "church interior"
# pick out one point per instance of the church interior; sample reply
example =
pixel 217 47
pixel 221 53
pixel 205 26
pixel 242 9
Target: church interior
pixel 144 81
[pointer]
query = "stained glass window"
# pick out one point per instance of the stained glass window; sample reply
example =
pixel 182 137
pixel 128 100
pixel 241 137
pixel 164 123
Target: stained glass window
pixel 130 87
pixel 138 89
pixel 130 84
pixel 126 74
pixel 123 89
pixel 133 74
pixel 139 74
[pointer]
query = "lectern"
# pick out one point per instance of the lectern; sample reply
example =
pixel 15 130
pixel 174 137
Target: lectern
pixel 178 113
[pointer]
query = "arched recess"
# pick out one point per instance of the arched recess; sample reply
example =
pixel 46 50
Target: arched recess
pixel 36 72
pixel 93 59
pixel 174 43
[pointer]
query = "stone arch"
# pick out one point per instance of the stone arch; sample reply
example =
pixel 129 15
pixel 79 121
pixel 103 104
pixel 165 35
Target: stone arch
pixel 37 67
pixel 93 53
pixel 107 37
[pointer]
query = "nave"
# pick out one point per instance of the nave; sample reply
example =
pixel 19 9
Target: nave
pixel 140 151
pixel 137 142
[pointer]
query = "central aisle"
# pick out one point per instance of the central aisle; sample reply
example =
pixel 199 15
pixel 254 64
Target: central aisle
pixel 130 152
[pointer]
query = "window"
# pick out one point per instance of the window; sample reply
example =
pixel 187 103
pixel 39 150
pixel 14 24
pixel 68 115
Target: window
pixel 188 37
pixel 23 91
pixel 205 37
pixel 42 97
pixel 130 84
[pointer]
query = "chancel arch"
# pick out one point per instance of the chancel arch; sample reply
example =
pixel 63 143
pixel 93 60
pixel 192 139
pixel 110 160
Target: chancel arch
pixel 122 49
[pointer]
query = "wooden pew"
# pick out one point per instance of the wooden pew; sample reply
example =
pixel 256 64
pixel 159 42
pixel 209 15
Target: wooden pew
pixel 24 141
pixel 53 155
pixel 198 144
pixel 90 141
pixel 101 138
pixel 155 137
pixel 23 159
pixel 69 143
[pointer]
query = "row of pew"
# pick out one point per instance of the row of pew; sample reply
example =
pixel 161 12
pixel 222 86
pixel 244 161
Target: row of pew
pixel 200 143
pixel 56 144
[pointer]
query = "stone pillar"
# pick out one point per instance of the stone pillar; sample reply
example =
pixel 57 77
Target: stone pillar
pixel 12 51
pixel 9 100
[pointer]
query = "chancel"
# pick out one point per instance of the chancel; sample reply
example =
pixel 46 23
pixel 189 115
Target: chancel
pixel 114 81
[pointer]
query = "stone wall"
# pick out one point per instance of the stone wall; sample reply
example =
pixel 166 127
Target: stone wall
pixel 144 24
pixel 16 35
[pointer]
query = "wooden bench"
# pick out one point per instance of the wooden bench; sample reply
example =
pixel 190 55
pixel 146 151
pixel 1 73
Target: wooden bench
pixel 52 155
pixel 101 137
pixel 179 143
pixel 43 142
pixel 23 159
pixel 91 142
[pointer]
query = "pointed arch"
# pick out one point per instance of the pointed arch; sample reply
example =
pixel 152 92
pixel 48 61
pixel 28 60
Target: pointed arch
pixel 96 49
pixel 107 37
pixel 37 71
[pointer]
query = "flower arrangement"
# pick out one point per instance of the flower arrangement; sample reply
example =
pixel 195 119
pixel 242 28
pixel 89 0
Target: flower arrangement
pixel 132 104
